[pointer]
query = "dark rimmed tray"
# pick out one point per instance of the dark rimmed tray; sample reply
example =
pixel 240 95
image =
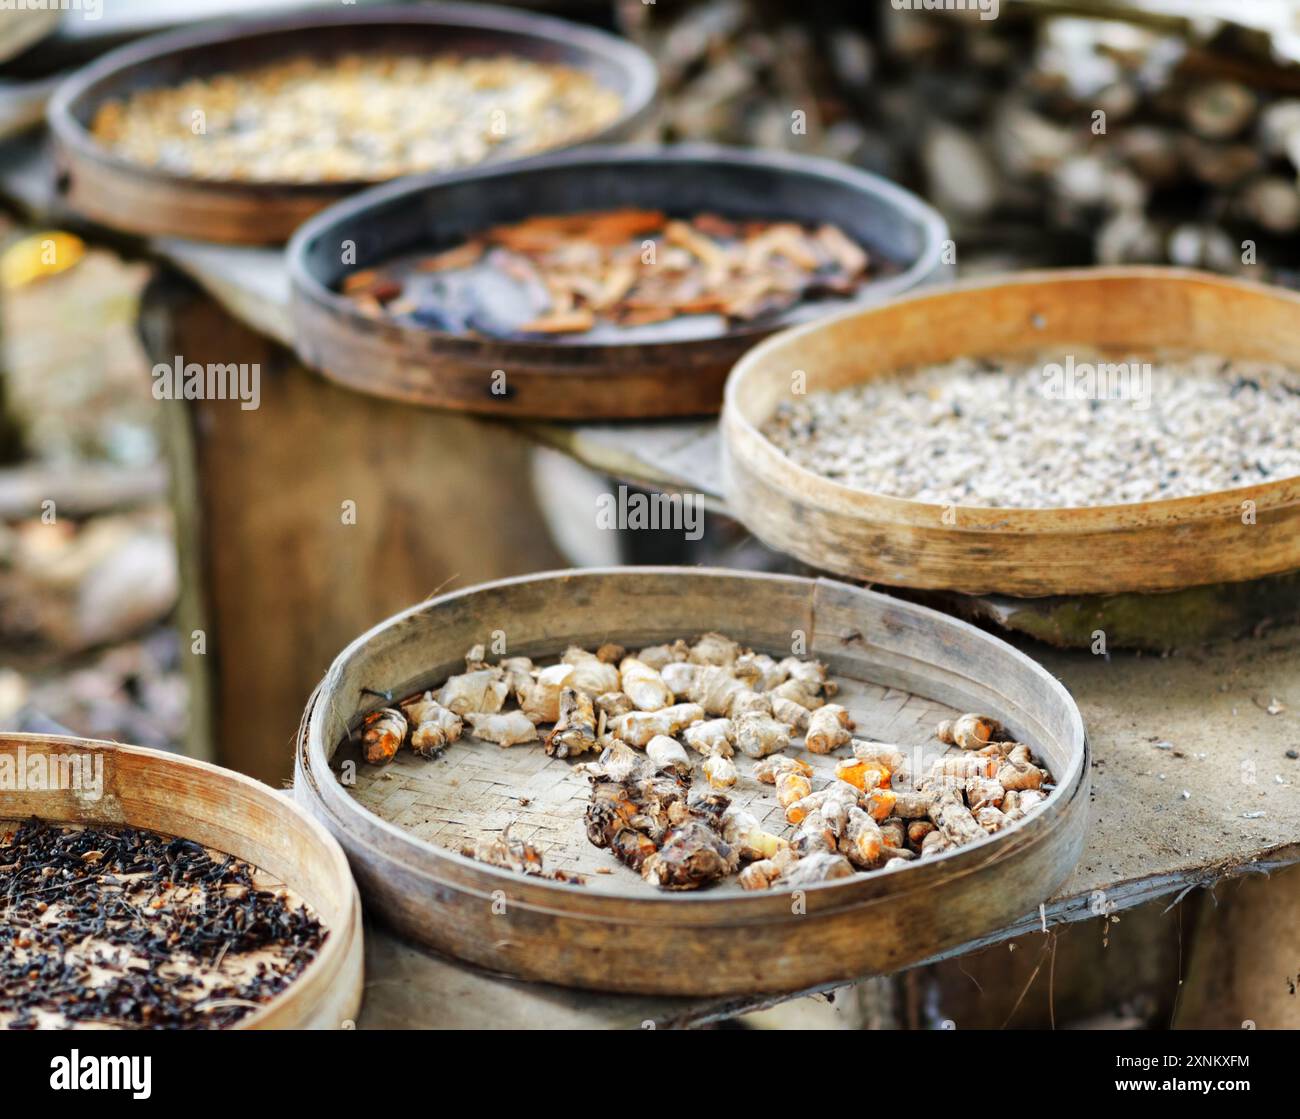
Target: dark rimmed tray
pixel 558 379
pixel 136 199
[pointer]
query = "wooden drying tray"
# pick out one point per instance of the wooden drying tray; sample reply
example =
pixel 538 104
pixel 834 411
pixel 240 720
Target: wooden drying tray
pixel 1146 546
pixel 901 667
pixel 236 815
pixel 131 198
pixel 573 378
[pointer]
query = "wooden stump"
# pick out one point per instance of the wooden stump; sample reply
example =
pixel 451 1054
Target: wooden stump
pixel 278 570
pixel 1244 970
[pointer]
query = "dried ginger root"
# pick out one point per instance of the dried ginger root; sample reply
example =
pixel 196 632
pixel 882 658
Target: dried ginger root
pixel 1017 771
pixel 591 674
pixel 519 672
pixel 643 685
pixel 835 795
pixel 828 728
pixel 510 728
pixel 955 820
pixel 963 767
pixel 516 855
pixel 791 787
pixel 714 648
pixel 863 839
pixel 659 656
pixel 575 731
pixel 613 704
pixel 750 703
pixel 434 727
pixel 668 753
pixel 483 691
pixel 798 691
pixel 650 825
pixel 760 671
pixel 765 873
pixel 710 737
pixel 714 688
pixel 636 728
pixel 880 803
pixel 720 772
pixel 759 735
pixel 679 676
pixel 885 755
pixel 539 699
pixel 792 714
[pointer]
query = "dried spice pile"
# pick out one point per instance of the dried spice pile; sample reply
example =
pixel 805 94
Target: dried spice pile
pixel 568 274
pixel 122 927
pixel 1012 432
pixel 361 117
pixel 656 720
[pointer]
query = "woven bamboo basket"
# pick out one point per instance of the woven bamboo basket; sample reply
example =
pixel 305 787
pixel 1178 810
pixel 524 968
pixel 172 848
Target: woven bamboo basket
pixel 901 667
pixel 234 814
pixel 1144 546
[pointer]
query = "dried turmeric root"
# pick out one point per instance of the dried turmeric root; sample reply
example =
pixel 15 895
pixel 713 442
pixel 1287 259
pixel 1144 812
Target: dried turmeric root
pixel 970 732
pixel 383 735
pixel 861 775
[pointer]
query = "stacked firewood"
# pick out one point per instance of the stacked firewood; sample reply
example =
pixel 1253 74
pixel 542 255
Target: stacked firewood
pixel 1044 138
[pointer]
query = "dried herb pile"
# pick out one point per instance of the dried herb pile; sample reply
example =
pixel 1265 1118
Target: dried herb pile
pixel 123 927
pixel 568 274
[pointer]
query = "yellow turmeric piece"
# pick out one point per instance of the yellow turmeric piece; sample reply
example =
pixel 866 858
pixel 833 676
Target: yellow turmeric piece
pixel 861 775
pixel 790 787
pixel 879 803
pixel 383 735
pixel 970 731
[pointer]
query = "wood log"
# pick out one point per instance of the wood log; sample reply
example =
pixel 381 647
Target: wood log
pixel 1243 972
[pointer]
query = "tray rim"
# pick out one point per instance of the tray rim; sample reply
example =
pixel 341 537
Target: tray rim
pixel 314 783
pixel 343 941
pixel 79 145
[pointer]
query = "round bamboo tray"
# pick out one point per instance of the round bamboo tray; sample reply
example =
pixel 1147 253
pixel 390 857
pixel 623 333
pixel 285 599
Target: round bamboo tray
pixel 901 667
pixel 1105 549
pixel 236 815
pixel 577 379
pixel 142 200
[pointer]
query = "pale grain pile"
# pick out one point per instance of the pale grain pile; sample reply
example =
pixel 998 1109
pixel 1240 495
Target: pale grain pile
pixel 357 118
pixel 1010 433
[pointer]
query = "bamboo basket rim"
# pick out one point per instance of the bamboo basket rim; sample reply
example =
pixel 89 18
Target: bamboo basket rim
pixel 638 68
pixel 851 500
pixel 579 358
pixel 337 941
pixel 314 769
